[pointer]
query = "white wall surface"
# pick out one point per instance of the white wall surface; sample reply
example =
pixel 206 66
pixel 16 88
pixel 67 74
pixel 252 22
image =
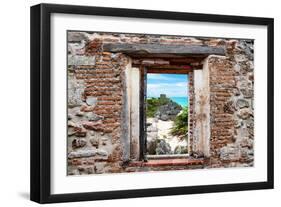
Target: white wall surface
pixel 14 86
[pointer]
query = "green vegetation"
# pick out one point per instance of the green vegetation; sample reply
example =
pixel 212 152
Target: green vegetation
pixel 154 103
pixel 180 124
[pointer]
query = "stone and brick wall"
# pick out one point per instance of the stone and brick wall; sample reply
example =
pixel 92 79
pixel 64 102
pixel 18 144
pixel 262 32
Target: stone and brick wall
pixel 98 109
pixel 232 97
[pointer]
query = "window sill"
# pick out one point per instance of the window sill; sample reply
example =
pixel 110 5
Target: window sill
pixel 167 162
pixel 173 156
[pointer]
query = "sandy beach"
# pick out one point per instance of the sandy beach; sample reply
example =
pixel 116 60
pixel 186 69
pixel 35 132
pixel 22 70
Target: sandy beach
pixel 164 128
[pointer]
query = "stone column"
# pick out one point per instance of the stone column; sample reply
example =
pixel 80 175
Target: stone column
pixel 126 112
pixel 135 123
pixel 201 113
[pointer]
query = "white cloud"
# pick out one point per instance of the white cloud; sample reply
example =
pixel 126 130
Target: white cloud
pixel 178 89
pixel 155 76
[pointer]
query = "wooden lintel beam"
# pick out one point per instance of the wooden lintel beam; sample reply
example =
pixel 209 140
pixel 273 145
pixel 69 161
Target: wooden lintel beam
pixel 168 70
pixel 172 67
pixel 181 50
pixel 197 67
pixel 164 55
pixel 187 66
pixel 166 61
pixel 147 62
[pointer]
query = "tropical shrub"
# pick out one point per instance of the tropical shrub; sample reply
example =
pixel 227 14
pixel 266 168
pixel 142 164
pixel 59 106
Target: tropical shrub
pixel 180 126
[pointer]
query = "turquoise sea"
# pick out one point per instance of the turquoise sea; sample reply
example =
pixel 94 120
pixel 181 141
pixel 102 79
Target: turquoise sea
pixel 183 101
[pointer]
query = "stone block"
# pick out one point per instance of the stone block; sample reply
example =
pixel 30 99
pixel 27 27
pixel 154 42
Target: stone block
pixel 86 170
pixel 77 143
pixel 81 60
pixel 95 141
pixel 230 153
pixel 82 153
pixel 91 100
pixel 244 113
pixel 75 91
pixel 102 152
pixel 99 167
pixel 76 37
pixel 242 103
pixel 247 93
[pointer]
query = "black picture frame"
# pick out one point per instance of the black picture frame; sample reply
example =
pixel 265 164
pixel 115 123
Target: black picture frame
pixel 41 95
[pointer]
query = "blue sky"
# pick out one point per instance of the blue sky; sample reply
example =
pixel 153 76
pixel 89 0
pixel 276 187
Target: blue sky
pixel 173 85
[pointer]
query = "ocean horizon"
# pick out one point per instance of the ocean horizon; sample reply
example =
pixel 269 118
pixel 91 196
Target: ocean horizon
pixel 183 101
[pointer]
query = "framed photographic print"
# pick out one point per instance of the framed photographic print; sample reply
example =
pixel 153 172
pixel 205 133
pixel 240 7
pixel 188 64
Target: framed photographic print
pixel 133 103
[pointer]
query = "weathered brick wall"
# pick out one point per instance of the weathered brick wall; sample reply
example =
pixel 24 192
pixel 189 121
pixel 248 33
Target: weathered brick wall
pixel 95 113
pixel 232 117
pixel 97 99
